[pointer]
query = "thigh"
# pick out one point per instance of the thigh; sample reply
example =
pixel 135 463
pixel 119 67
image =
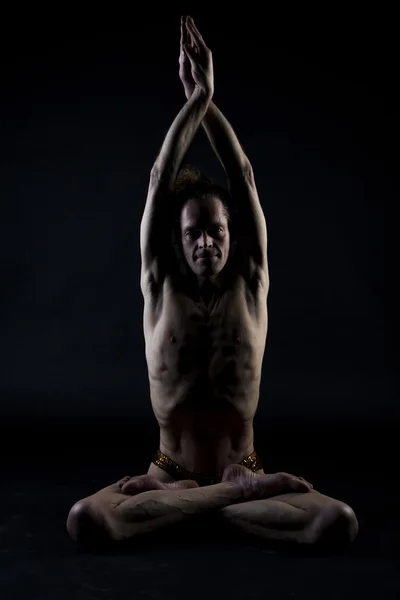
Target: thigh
pixel 312 501
pixel 106 499
pixel 121 517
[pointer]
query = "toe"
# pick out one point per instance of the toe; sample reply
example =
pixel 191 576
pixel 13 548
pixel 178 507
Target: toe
pixel 307 482
pixel 121 482
pixel 141 483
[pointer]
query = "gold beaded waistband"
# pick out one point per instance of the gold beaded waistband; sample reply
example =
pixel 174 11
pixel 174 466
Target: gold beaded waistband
pixel 252 462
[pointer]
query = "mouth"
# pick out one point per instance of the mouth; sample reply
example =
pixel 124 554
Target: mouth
pixel 208 257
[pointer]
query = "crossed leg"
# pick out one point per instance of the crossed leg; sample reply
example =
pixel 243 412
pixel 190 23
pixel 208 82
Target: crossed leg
pixel 309 518
pixel 299 518
pixel 114 514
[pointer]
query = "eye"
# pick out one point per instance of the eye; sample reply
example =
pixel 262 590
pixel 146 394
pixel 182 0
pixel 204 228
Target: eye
pixel 218 229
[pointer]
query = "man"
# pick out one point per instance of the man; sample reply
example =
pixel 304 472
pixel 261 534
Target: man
pixel 205 328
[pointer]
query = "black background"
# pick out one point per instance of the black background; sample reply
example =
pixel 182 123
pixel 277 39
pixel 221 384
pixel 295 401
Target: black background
pixel 84 110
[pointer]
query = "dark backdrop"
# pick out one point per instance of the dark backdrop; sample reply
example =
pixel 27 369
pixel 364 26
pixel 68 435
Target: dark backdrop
pixel 83 115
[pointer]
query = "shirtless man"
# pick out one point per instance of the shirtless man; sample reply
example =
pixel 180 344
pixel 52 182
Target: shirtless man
pixel 205 327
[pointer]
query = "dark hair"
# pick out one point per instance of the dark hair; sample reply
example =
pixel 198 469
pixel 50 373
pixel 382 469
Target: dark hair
pixel 192 184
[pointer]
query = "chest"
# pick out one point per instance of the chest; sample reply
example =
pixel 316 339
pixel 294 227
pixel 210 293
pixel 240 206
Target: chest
pixel 185 340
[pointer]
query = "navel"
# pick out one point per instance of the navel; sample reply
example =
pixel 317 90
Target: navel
pixel 172 339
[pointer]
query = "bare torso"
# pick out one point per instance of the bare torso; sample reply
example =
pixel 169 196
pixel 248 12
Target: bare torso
pixel 204 364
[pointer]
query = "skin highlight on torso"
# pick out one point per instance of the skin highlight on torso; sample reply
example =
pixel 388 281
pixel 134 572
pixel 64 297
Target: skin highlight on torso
pixel 204 366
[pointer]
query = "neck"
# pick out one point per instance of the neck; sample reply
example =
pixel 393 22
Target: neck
pixel 209 290
pixel 209 287
pixel 208 284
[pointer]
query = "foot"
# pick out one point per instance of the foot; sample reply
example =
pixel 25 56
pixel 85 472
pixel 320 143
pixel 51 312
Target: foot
pixel 144 483
pixel 256 487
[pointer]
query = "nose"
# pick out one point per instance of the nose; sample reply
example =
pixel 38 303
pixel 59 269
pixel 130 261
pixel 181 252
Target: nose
pixel 205 241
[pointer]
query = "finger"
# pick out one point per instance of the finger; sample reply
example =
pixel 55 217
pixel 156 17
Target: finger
pixel 183 27
pixel 307 482
pixel 195 35
pixel 195 31
pixel 191 54
pixel 121 482
pixel 191 40
pixel 184 35
pixel 193 24
pixel 191 29
pixel 141 483
pixel 301 486
pixel 292 482
pixel 194 45
pixel 184 32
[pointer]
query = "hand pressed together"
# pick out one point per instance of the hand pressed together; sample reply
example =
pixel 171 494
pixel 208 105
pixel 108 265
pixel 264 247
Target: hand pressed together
pixel 195 60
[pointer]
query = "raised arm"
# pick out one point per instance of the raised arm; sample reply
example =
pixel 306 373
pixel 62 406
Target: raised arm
pixel 253 230
pixel 219 132
pixel 153 234
pixel 180 136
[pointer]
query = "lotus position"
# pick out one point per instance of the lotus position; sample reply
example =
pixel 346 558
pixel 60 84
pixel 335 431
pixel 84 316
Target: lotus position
pixel 204 279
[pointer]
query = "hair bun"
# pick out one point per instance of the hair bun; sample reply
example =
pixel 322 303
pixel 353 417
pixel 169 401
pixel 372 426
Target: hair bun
pixel 189 175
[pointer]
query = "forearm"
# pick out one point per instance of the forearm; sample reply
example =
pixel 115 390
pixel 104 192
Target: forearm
pixel 180 135
pixel 224 140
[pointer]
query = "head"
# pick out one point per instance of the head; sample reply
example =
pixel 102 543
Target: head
pixel 204 229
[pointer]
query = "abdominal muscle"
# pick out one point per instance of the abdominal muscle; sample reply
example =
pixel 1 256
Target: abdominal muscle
pixel 206 451
pixel 205 408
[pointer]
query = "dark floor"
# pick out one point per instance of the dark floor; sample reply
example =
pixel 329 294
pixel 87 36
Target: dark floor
pixel 38 560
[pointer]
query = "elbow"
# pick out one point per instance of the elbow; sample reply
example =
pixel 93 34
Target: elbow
pixel 163 172
pixel 155 172
pixel 248 170
pixel 159 175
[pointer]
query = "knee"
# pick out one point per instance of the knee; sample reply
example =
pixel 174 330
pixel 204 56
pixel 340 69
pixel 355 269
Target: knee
pixel 336 526
pixel 84 525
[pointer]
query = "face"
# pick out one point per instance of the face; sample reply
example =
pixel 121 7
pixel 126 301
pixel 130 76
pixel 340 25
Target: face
pixel 205 236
